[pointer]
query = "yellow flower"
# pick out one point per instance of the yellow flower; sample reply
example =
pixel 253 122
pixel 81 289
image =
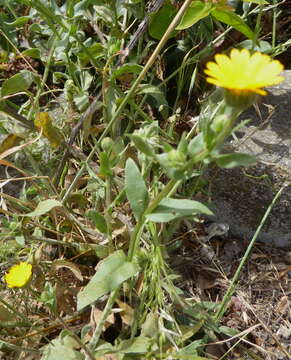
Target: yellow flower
pixel 242 72
pixel 19 275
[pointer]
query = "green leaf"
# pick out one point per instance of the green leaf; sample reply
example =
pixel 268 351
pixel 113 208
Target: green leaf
pixel 160 21
pixel 105 165
pixel 261 46
pixel 33 53
pixel 191 349
pixel 98 220
pixel 230 18
pixel 259 2
pixel 139 345
pixel 229 161
pixel 135 188
pixel 141 144
pixel 20 21
pixel 95 50
pixel 112 272
pixel 62 348
pixel 228 331
pixel 126 69
pixel 17 83
pixel 170 209
pixel 44 207
pixel 197 11
pixel 196 145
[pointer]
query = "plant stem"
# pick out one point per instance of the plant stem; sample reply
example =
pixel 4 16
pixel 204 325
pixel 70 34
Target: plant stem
pixel 134 240
pixel 104 316
pixel 232 285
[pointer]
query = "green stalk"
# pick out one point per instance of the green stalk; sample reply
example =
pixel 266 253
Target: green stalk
pixel 106 312
pixel 275 14
pixel 44 79
pixel 232 285
pixel 108 217
pixel 134 240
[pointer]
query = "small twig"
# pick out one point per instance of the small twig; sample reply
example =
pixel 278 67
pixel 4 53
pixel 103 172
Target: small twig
pixel 89 112
pixel 13 113
pixel 153 7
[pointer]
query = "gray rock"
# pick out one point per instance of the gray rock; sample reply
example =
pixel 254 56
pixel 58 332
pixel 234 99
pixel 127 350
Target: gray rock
pixel 242 195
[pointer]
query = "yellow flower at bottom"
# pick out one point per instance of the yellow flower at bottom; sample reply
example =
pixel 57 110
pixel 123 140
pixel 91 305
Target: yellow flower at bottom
pixel 243 72
pixel 19 275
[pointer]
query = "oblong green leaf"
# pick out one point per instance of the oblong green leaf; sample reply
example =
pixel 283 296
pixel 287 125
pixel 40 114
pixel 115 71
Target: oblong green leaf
pixel 44 207
pixel 33 53
pixel 196 145
pixel 259 2
pixel 197 11
pixel 21 20
pixel 170 209
pixel 63 347
pixel 135 188
pixel 228 17
pixel 141 144
pixel 98 219
pixel 112 272
pixel 17 83
pixel 229 161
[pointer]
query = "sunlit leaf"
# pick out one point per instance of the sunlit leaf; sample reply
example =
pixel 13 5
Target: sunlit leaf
pixel 20 21
pixel 196 11
pixel 228 17
pixel 229 161
pixel 44 207
pixel 17 83
pixel 33 53
pixel 135 188
pixel 111 273
pixel 64 347
pixel 98 220
pixel 259 2
pixel 170 209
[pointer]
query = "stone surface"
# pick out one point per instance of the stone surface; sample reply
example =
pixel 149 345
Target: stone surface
pixel 242 195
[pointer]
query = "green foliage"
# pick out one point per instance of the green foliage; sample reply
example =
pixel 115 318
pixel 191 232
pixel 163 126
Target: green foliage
pixel 136 189
pixel 44 207
pixel 170 209
pixel 17 83
pixel 197 11
pixel 111 273
pixel 64 347
pixel 114 173
pixel 160 20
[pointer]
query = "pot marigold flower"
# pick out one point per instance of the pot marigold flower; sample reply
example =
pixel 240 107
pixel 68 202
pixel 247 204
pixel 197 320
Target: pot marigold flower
pixel 19 275
pixel 243 72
